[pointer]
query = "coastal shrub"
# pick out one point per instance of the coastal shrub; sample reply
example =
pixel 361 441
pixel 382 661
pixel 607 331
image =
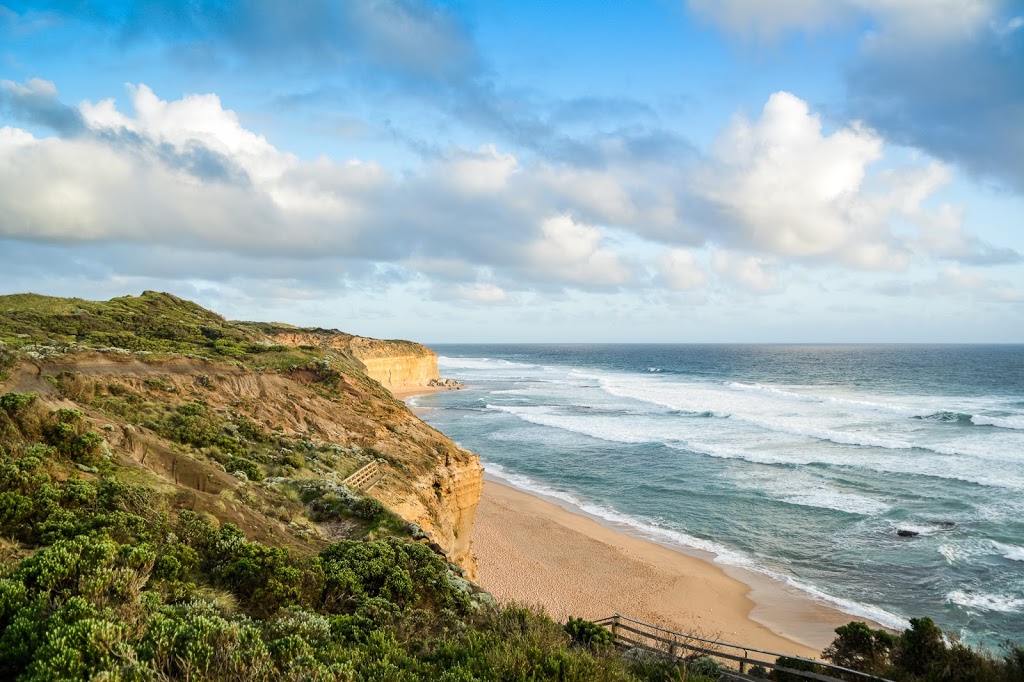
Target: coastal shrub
pixel 367 508
pixel 588 633
pixel 248 467
pixel 859 647
pixel 922 650
pixel 705 666
pixel 13 403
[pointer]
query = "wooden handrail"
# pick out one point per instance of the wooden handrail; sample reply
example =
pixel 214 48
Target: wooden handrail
pixel 672 640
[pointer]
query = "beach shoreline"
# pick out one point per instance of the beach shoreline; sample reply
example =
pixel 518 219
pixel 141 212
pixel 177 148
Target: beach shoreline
pixel 404 393
pixel 538 550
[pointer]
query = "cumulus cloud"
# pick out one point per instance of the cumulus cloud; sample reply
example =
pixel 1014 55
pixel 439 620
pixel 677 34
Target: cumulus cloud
pixel 783 186
pixel 576 253
pixel 679 270
pixel 940 75
pixel 186 176
pixel 36 102
pixel 753 274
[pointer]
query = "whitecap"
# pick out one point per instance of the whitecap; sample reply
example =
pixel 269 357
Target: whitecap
pixel 445 362
pixel 1009 551
pixel 1001 422
pixel 986 602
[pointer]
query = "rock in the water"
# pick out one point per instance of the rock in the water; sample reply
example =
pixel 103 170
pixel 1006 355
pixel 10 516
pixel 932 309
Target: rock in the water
pixel 904 533
pixel 445 383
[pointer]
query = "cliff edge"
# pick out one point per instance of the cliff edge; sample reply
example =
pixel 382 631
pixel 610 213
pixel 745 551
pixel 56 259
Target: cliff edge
pixel 396 365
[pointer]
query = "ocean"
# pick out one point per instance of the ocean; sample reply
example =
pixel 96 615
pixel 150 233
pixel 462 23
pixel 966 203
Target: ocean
pixel 802 462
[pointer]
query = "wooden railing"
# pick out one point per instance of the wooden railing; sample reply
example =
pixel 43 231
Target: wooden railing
pixel 365 477
pixel 629 633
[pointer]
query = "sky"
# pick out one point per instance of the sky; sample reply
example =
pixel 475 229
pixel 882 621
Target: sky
pixel 623 171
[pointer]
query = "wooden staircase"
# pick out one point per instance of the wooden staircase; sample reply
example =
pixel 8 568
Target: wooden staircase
pixel 366 477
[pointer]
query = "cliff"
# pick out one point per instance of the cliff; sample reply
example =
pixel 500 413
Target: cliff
pixel 394 364
pixel 186 397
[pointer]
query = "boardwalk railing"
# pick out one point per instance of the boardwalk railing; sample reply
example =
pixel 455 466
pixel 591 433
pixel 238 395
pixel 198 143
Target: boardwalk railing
pixel 635 634
pixel 366 477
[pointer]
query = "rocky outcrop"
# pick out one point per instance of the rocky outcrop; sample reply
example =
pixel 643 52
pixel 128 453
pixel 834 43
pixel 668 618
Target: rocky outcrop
pixel 450 384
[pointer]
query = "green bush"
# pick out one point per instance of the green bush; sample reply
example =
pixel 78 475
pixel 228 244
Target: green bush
pixel 248 467
pixel 859 647
pixel 13 403
pixel 588 633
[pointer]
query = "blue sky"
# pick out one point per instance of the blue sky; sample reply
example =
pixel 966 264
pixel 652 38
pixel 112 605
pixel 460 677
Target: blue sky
pixel 664 171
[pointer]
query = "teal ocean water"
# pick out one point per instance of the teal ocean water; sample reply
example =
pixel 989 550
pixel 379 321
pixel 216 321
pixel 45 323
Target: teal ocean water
pixel 800 462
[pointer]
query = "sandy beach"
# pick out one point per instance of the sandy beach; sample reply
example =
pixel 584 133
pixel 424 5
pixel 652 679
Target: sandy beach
pixel 406 392
pixel 533 550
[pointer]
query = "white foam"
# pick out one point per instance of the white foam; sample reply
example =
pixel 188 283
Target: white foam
pixel 1001 422
pixel 445 362
pixel 807 491
pixel 602 427
pixel 986 602
pixel 962 550
pixel 830 498
pixel 1010 552
pixel 949 468
pixel 952 554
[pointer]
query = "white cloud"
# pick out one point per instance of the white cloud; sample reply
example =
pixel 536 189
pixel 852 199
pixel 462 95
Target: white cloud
pixel 187 175
pixel 481 292
pixel 787 187
pixel 781 185
pixel 487 171
pixel 956 282
pixel 576 253
pixel 679 270
pixel 753 274
pixel 33 87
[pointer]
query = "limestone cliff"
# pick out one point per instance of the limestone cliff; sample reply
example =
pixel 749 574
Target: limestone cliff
pixel 395 364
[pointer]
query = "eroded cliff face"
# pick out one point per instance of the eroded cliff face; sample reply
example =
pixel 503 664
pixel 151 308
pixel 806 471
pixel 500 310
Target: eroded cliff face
pixel 395 364
pixel 445 506
pixel 430 480
pixel 403 371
